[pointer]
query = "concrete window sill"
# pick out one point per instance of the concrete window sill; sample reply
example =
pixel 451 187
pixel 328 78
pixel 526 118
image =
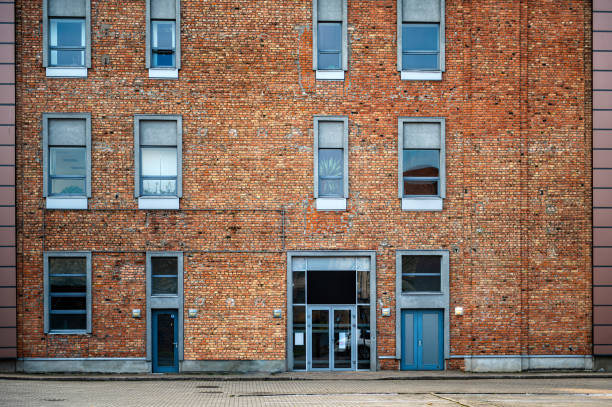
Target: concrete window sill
pixel 331 204
pixel 60 72
pixel 422 204
pixel 158 203
pixel 163 73
pixel 421 76
pixel 66 203
pixel 330 75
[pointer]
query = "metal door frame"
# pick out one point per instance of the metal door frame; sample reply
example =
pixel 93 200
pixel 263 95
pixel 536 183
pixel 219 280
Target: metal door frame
pixel 155 366
pixel 330 309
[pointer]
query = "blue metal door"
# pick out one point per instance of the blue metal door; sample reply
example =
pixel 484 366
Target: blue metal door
pixel 422 340
pixel 165 341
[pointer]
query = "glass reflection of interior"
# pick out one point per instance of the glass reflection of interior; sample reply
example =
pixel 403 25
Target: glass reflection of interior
pixel 159 170
pixel 67 170
pixel 67 42
pixel 330 46
pixel 421 273
pixel 163 41
pixel 67 293
pixel 420 47
pixel 421 172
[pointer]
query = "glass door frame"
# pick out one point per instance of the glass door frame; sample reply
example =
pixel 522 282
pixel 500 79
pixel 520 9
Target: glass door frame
pixel 331 341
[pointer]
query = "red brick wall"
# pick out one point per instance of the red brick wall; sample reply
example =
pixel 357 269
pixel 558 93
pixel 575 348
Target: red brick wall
pixel 516 217
pixel 8 311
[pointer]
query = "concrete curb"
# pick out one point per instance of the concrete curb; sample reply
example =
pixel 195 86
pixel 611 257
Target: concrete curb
pixel 314 377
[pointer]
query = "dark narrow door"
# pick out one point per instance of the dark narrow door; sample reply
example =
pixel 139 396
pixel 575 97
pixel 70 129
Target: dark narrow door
pixel 422 340
pixel 165 341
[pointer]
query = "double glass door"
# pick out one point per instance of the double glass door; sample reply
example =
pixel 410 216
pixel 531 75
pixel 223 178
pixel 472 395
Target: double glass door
pixel 331 330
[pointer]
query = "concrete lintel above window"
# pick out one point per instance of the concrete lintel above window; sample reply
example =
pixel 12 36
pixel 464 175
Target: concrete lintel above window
pixel 59 72
pixel 421 76
pixel 67 203
pixel 163 73
pixel 158 203
pixel 331 204
pixel 330 75
pixel 422 204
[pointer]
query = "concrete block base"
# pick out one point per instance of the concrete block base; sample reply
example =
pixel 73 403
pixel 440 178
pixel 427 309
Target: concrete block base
pixel 602 363
pixel 7 366
pixel 520 363
pixel 235 366
pixel 83 365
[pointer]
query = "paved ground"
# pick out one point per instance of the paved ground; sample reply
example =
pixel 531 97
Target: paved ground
pixel 577 392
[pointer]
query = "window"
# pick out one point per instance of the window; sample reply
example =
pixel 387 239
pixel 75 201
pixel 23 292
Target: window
pixel 66 38
pixel 66 160
pixel 421 273
pixel 67 285
pixel 331 162
pixel 163 38
pixel 164 275
pixel 421 169
pixel 420 39
pixel 329 39
pixel 158 156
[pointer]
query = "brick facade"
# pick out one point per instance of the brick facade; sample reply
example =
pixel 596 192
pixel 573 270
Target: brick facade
pixel 516 96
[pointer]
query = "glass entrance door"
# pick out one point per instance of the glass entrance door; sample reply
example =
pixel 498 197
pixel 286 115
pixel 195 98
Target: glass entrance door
pixel 331 330
pixel 165 334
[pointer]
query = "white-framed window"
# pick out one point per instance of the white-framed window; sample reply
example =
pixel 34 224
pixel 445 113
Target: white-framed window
pixel 331 162
pixel 157 158
pixel 66 37
pixel 421 163
pixel 163 38
pixel 330 50
pixel 66 160
pixel 420 39
pixel 67 285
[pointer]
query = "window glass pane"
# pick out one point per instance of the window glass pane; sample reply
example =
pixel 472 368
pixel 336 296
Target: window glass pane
pixel 163 35
pixel 330 36
pixel 420 187
pixel 67 161
pixel 299 338
pixel 363 337
pixel 363 287
pixel 66 284
pixel 159 161
pixel 420 283
pixel 329 61
pixel 67 265
pixel 67 58
pixel 163 60
pixel 68 303
pixel 331 287
pixel 331 171
pixel 299 287
pixel 158 187
pixel 421 163
pixel 68 321
pixel 61 186
pixel 67 33
pixel 164 275
pixel 420 37
pixel 164 266
pixel 419 62
pixel 164 285
pixel 421 264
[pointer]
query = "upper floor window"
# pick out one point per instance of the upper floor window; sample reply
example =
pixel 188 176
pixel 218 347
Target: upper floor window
pixel 163 38
pixel 422 178
pixel 420 38
pixel 66 160
pixel 329 38
pixel 158 156
pixel 66 37
pixel 331 162
pixel 164 275
pixel 421 273
pixel 67 282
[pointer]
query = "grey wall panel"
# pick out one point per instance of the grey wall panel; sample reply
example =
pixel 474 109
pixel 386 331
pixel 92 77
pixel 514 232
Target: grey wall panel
pixel 67 8
pixel 329 10
pixel 421 11
pixel 163 9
